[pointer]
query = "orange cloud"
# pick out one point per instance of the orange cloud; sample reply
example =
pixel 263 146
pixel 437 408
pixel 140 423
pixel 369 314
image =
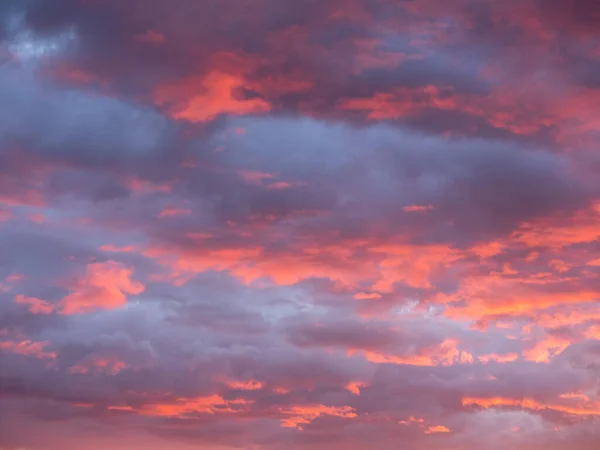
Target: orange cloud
pixel 546 349
pixel 583 227
pixel 402 102
pixel 488 249
pixel 412 419
pixel 28 348
pixel 593 332
pixel 526 403
pixel 435 429
pixel 103 286
pixel 503 294
pixel 35 305
pixel 445 354
pixel 412 265
pixel 203 99
pixel 249 264
pixel 367 296
pixel 302 415
pixel 431 429
pixel 355 386
pixel 380 358
pixel 575 395
pixel 188 407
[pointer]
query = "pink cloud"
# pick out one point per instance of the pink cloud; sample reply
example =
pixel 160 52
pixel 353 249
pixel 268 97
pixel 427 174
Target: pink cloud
pixel 103 286
pixel 335 224
pixel 35 349
pixel 35 305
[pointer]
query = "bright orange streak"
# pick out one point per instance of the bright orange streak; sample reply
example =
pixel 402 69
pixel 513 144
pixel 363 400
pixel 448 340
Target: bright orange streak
pixel 367 296
pixel 186 407
pixel 437 429
pixel 492 402
pixel 414 360
pixel 306 414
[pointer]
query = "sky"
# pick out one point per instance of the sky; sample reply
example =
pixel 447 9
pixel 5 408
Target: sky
pixel 299 224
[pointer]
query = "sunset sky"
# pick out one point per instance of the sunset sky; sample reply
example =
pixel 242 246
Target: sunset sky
pixel 299 224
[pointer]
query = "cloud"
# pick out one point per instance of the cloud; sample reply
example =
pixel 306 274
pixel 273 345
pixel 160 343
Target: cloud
pixel 104 286
pixel 311 225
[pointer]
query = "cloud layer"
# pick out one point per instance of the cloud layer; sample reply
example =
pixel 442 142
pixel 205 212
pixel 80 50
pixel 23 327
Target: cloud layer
pixel 312 224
